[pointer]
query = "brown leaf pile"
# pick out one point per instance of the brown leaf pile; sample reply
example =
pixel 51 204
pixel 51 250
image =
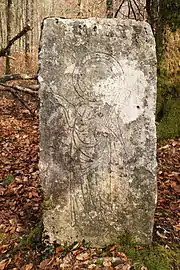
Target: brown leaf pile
pixel 20 193
pixel 79 257
pixel 21 197
pixel 167 214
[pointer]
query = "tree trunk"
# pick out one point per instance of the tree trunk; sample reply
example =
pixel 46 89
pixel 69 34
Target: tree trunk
pixel 80 4
pixel 27 38
pixel 32 24
pixel 109 8
pixel 9 20
pixel 152 8
pixel 1 30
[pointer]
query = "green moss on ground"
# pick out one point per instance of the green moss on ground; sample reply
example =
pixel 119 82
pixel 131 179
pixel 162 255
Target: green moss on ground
pixel 32 239
pixel 153 257
pixel 8 180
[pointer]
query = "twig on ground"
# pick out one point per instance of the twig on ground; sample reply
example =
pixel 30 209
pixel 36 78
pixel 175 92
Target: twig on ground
pixel 22 102
pixel 21 89
pixel 11 77
pixel 13 89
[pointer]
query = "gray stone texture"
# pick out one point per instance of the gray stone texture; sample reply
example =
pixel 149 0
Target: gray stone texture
pixel 97 127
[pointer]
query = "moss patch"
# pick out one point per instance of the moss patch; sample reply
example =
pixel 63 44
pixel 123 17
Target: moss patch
pixel 154 257
pixel 32 239
pixel 168 107
pixel 169 126
pixel 8 180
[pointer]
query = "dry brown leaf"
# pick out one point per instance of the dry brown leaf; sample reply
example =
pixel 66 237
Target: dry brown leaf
pixel 92 266
pixel 3 248
pixel 44 263
pixel 122 256
pixel 59 249
pixel 76 246
pixel 107 262
pixel 76 252
pixel 177 189
pixel 177 227
pixel 13 230
pixel 82 256
pixel 35 193
pixel 4 264
pixel 114 247
pixel 27 267
pixel 144 268
pixel 123 267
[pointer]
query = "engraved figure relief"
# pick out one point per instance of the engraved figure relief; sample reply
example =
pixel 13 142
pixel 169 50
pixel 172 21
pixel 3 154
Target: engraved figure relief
pixel 96 75
pixel 94 133
pixel 100 77
pixel 96 79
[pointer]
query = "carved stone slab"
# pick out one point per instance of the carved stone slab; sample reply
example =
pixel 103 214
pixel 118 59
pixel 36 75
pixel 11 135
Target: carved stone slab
pixel 97 125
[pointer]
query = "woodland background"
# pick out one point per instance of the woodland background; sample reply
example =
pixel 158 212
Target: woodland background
pixel 22 246
pixel 163 15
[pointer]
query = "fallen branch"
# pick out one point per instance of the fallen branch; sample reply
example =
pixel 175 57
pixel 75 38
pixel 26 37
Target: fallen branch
pixel 12 77
pixel 21 89
pixel 34 87
pixel 13 90
pixel 3 51
pixel 21 100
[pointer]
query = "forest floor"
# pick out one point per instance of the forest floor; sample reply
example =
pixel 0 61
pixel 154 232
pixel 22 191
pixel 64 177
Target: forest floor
pixel 21 245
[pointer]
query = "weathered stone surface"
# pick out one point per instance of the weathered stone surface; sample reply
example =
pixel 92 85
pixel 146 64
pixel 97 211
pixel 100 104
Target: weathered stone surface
pixel 97 125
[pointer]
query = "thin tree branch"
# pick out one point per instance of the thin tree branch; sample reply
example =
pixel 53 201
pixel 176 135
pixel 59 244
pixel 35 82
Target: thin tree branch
pixel 129 9
pixel 131 6
pixel 34 87
pixel 3 51
pixel 109 8
pixel 138 8
pixel 119 8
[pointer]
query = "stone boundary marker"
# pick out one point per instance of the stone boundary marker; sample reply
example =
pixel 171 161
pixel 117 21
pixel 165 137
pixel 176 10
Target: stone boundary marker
pixel 97 129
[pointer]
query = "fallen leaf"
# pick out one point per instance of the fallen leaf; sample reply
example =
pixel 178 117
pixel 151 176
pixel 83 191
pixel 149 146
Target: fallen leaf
pixel 27 267
pixel 177 227
pixel 144 268
pixel 107 262
pixel 76 246
pixel 4 264
pixel 161 235
pixel 122 256
pixel 44 263
pixel 82 256
pixel 114 247
pixel 3 248
pixel 59 249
